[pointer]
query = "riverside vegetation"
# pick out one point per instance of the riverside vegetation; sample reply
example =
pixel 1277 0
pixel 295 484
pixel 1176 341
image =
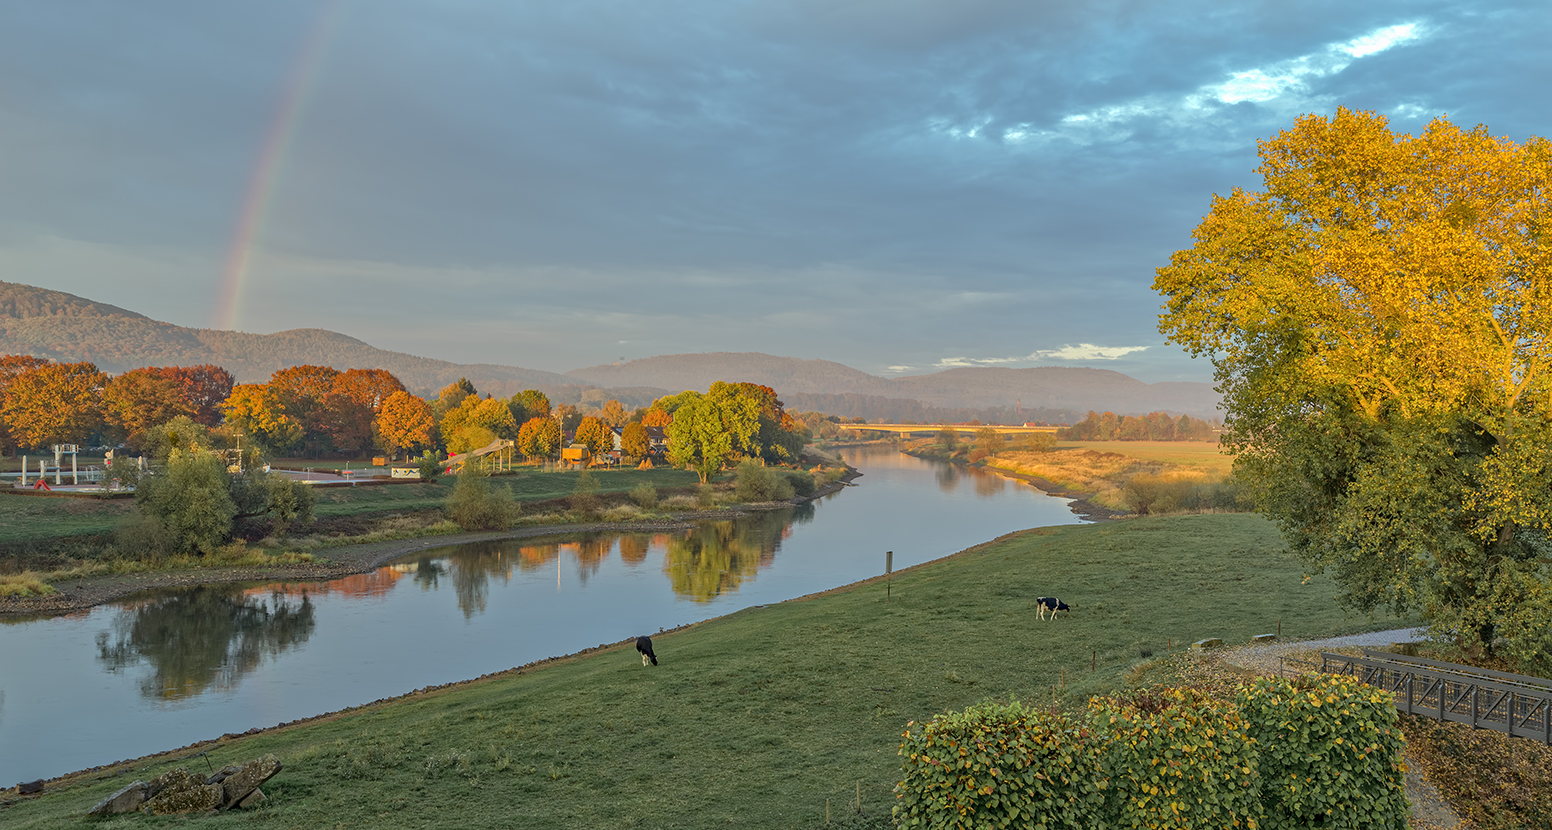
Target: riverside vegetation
pixel 50 540
pixel 759 718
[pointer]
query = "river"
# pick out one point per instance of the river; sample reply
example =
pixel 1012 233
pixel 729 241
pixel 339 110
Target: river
pixel 172 667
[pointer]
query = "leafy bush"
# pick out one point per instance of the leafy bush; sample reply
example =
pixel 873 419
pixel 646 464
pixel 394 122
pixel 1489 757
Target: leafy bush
pixel 756 483
pixel 1330 752
pixel 644 495
pixel 802 482
pixel 1176 758
pixel 476 504
pixel 429 467
pixel 290 502
pixel 999 765
pixel 188 505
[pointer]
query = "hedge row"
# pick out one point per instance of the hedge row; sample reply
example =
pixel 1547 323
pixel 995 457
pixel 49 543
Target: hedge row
pixel 1284 753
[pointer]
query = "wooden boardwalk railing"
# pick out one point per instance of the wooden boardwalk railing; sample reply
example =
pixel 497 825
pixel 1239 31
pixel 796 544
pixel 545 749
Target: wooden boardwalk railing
pixel 1515 704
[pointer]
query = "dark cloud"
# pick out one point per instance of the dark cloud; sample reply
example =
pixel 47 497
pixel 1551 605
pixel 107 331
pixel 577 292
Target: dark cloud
pixel 880 182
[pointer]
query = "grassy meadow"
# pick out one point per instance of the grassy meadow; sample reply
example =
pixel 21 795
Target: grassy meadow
pixel 758 718
pixel 1109 469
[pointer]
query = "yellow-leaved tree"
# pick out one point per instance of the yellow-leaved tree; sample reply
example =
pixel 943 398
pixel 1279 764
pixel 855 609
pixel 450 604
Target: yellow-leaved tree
pixel 1379 317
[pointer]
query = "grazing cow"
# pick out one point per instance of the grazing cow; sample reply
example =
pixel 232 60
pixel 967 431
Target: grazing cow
pixel 1051 604
pixel 644 645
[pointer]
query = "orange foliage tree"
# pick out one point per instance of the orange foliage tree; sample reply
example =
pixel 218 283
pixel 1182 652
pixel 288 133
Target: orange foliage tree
pixel 256 411
pixel 55 403
pixel 140 399
pixel 404 422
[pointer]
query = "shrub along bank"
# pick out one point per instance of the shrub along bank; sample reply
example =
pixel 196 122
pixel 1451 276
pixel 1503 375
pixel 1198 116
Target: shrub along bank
pixel 760 718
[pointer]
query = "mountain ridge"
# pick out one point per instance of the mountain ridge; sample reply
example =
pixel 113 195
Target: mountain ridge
pixel 62 326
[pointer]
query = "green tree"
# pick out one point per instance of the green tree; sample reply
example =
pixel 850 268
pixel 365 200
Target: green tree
pixel 697 439
pixel 477 504
pixel 1379 325
pixel 190 501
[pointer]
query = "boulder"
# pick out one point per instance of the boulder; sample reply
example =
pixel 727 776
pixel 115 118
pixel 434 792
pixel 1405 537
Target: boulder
pixel 236 786
pixel 251 799
pixel 173 779
pixel 30 787
pixel 1264 638
pixel 196 798
pixel 126 800
pixel 1203 645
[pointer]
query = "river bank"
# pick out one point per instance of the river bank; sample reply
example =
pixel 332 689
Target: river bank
pixel 346 560
pixel 759 717
pixel 1081 504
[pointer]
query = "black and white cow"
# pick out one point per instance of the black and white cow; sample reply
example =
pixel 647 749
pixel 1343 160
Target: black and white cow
pixel 644 645
pixel 1051 604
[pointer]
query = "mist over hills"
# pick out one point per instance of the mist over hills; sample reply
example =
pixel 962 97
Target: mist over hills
pixel 61 326
pixel 1043 388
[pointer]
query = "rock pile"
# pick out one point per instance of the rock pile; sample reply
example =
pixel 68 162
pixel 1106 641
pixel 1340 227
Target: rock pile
pixel 181 791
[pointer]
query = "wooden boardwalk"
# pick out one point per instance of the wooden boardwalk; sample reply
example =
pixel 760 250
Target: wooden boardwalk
pixel 1515 704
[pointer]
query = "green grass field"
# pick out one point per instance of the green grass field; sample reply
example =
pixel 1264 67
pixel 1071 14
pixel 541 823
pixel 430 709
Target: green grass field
pixel 756 719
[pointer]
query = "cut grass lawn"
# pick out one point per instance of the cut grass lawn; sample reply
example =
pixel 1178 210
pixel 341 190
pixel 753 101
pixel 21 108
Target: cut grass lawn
pixel 758 718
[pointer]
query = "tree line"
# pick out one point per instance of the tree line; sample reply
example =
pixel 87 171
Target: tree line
pixel 1155 426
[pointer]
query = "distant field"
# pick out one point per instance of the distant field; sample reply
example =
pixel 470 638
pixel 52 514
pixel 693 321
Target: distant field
pixel 1206 455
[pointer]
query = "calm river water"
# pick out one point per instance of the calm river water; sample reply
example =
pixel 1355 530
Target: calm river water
pixel 170 668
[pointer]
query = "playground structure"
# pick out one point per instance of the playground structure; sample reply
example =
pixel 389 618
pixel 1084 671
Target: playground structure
pixel 505 450
pixel 91 475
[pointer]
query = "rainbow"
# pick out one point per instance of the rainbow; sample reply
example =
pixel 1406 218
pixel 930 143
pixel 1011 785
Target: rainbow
pixel 261 185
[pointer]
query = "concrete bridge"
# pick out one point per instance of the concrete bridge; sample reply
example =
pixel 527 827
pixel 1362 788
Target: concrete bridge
pixel 909 430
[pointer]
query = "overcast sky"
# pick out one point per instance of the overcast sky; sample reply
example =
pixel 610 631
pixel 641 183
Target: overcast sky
pixel 898 185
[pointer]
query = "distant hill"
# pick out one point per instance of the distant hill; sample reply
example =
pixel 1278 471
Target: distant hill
pixel 62 326
pixel 1047 389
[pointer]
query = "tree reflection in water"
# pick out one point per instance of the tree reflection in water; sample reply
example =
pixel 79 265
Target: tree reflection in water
pixel 947 475
pixel 988 484
pixel 203 638
pixel 718 557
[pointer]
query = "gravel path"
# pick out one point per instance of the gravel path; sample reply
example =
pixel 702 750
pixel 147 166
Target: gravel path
pixel 1263 658
pixel 1429 810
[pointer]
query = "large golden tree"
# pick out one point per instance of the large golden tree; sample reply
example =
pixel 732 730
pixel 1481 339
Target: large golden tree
pixel 1378 316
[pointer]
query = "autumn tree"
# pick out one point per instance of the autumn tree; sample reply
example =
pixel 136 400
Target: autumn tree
pixel 539 438
pixel 450 396
pixel 529 403
pixel 54 403
pixel 656 417
pixel 1378 319
pixel 476 422
pixel 613 413
pixel 596 435
pixel 567 416
pixel 202 388
pixel 634 441
pixel 11 366
pixel 403 423
pixel 253 409
pixel 140 399
pixel 367 387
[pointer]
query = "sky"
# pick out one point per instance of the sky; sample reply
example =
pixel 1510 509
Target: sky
pixel 902 186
